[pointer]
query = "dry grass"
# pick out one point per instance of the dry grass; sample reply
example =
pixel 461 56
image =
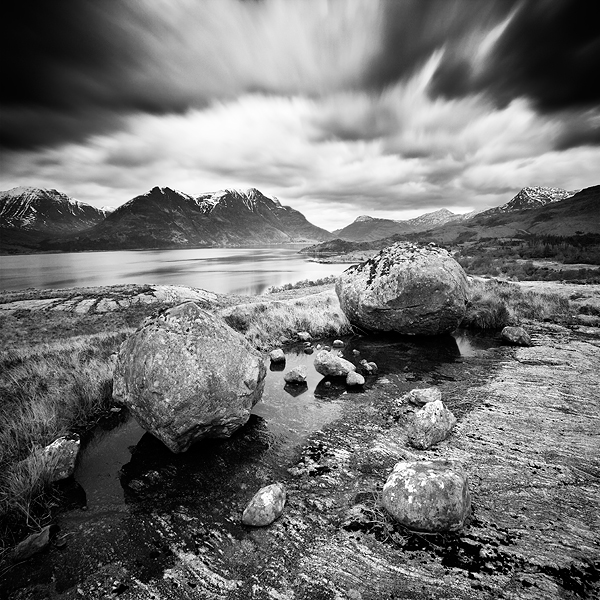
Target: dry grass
pixel 47 391
pixel 265 323
pixel 494 304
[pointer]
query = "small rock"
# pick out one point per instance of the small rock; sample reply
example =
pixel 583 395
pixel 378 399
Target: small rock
pixel 329 364
pixel 355 352
pixel 428 495
pixel 296 375
pixel 516 335
pixel 338 344
pixel 432 424
pixel 423 396
pixel 370 368
pixel 266 506
pixel 353 379
pixel 284 340
pixel 304 336
pixel 327 384
pixel 33 544
pixel 60 456
pixel 309 350
pixel 277 355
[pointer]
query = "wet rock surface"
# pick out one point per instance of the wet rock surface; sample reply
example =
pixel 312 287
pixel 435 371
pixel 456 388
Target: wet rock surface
pixel 527 435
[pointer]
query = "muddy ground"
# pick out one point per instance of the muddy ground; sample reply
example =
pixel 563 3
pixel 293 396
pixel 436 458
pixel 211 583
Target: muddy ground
pixel 528 435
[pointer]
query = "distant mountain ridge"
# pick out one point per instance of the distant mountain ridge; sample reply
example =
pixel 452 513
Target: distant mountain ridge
pixel 163 217
pixel 529 198
pixel 46 211
pixel 368 229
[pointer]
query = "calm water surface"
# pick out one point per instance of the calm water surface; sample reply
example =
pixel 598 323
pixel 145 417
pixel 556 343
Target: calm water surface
pixel 221 270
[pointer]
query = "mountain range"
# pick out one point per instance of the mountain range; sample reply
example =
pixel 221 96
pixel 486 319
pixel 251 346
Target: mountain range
pixel 160 218
pixel 34 219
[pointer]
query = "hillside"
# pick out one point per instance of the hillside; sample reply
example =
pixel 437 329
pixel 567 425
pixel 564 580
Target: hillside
pixel 166 218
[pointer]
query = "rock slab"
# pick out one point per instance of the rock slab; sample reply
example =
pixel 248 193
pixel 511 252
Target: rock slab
pixel 428 495
pixel 266 506
pixel 31 545
pixel 431 424
pixel 186 375
pixel 331 365
pixel 407 289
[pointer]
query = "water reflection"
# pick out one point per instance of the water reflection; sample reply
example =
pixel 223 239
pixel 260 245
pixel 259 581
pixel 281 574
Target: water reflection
pixel 222 270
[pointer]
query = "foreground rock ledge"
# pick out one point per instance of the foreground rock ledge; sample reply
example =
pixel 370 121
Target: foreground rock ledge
pixel 428 495
pixel 407 289
pixel 186 375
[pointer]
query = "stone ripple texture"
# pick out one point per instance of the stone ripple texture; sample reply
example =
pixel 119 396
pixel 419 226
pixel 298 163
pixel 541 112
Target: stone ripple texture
pixel 186 375
pixel 407 289
pixel 428 495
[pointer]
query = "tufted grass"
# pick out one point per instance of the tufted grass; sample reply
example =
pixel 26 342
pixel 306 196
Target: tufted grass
pixel 46 391
pixel 493 304
pixel 265 323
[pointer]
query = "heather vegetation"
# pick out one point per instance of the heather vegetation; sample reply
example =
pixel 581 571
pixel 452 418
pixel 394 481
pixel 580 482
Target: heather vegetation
pixel 534 258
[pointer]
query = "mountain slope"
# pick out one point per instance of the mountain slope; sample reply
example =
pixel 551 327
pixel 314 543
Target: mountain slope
pixel 368 229
pixel 164 218
pixel 46 211
pixel 579 212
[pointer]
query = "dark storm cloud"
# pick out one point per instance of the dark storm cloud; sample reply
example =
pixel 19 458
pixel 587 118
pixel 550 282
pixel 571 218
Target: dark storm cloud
pixel 548 53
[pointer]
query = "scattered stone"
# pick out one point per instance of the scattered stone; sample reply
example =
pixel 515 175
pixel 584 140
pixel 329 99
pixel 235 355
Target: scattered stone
pixel 31 545
pixel 354 379
pixel 284 340
pixel 423 396
pixel 266 506
pixel 428 495
pixel 277 356
pixel 304 336
pixel 309 350
pixel 331 365
pixel 516 335
pixel 355 352
pixel 60 456
pixel 186 375
pixel 431 424
pixel 338 344
pixel 307 344
pixel 406 288
pixel 370 368
pixel 296 375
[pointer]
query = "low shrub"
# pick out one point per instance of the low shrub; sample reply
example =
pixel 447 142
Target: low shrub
pixel 301 284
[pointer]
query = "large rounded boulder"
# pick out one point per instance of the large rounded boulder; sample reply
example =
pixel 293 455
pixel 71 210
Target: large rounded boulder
pixel 186 375
pixel 407 289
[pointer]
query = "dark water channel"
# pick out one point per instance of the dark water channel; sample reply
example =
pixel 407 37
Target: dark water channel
pixel 126 477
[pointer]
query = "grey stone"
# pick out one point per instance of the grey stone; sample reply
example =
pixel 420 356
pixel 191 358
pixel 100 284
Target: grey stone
pixel 428 495
pixel 407 289
pixel 186 375
pixel 330 364
pixel 432 424
pixel 60 456
pixel 338 344
pixel 296 375
pixel 423 396
pixel 266 506
pixel 304 336
pixel 277 355
pixel 516 335
pixel 354 379
pixel 33 544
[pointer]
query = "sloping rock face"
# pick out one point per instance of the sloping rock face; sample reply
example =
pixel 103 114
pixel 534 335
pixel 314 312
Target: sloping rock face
pixel 428 495
pixel 186 375
pixel 406 288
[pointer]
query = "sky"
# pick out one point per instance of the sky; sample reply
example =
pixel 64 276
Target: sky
pixel 339 108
